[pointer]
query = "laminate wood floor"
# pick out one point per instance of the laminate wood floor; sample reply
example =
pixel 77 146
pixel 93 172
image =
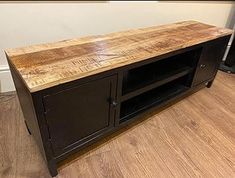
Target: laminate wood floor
pixel 192 138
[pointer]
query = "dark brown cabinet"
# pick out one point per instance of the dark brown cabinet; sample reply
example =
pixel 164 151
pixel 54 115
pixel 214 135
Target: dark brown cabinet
pixel 74 92
pixel 79 114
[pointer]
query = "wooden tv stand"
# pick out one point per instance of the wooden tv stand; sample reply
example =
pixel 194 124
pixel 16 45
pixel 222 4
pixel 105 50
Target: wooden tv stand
pixel 77 91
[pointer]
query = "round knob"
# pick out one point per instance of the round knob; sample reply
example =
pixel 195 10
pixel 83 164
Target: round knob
pixel 202 66
pixel 114 103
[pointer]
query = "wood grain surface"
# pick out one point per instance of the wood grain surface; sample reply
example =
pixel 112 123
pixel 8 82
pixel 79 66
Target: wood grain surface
pixel 47 65
pixel 193 138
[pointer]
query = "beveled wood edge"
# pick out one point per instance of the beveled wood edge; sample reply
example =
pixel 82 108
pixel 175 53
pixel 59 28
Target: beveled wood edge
pixel 11 65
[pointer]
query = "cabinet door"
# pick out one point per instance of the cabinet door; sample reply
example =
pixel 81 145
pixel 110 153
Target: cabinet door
pixel 211 56
pixel 77 115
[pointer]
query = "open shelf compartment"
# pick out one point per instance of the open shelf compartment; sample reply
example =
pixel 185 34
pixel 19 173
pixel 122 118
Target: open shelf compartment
pixel 167 69
pixel 140 103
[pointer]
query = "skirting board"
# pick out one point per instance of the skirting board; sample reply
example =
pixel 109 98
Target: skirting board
pixel 6 82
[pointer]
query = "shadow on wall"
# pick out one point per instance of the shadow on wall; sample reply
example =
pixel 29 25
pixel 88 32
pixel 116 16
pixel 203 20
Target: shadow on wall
pixel 231 18
pixel 200 2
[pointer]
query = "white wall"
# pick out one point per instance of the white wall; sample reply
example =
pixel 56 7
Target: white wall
pixel 24 24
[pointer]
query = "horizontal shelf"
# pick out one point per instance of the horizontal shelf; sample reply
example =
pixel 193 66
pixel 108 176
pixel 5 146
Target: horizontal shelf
pixel 161 80
pixel 141 103
pixel 143 76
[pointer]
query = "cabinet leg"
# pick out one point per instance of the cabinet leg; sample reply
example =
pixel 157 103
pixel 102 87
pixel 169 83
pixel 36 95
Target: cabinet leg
pixel 27 127
pixel 52 167
pixel 209 84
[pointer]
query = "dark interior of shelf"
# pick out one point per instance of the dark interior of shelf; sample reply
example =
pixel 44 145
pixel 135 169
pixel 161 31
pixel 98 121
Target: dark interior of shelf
pixel 145 75
pixel 135 105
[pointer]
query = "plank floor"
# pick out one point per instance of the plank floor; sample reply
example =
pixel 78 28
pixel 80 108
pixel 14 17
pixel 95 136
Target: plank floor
pixel 192 138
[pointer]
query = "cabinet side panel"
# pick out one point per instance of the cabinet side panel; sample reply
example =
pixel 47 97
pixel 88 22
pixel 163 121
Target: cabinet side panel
pixel 27 108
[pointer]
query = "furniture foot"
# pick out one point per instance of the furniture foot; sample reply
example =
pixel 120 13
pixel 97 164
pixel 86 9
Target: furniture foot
pixel 52 168
pixel 209 84
pixel 27 128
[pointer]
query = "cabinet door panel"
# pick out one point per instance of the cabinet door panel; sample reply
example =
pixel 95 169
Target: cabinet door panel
pixel 211 56
pixel 76 115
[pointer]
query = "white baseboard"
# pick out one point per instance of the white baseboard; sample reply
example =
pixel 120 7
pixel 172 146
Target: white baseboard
pixel 6 82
